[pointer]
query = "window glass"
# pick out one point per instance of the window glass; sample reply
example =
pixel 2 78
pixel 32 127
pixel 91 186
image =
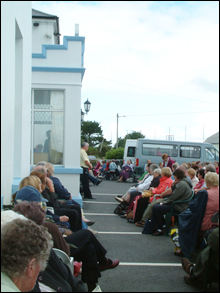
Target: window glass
pixel 211 154
pixel 48 126
pixel 131 152
pixel 190 151
pixel 159 150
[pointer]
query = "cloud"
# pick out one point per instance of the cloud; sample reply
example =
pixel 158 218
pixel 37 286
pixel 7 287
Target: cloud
pixel 141 58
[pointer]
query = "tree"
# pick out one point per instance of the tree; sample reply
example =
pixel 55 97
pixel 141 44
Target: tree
pixel 115 154
pixel 91 132
pixel 132 135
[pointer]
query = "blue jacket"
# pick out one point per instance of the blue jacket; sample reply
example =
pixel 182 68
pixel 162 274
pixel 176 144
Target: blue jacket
pixel 189 223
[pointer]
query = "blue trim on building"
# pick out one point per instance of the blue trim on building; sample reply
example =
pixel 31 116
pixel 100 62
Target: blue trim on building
pixel 63 170
pixel 59 69
pixel 66 39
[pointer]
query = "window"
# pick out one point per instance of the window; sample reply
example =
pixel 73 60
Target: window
pixel 211 154
pixel 159 150
pixel 131 152
pixel 47 121
pixel 190 151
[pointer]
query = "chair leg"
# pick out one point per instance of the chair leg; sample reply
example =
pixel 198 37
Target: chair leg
pixel 168 220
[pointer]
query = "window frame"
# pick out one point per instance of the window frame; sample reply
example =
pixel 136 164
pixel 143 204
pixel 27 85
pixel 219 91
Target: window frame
pixel 160 144
pixel 194 146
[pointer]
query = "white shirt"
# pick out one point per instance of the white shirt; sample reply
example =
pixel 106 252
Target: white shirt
pixel 146 184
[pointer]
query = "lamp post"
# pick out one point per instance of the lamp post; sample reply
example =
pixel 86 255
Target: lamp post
pixel 117 130
pixel 87 106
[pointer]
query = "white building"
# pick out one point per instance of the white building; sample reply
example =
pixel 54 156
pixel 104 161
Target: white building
pixel 41 119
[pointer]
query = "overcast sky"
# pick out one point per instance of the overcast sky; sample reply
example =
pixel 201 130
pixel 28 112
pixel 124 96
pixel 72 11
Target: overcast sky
pixel 155 62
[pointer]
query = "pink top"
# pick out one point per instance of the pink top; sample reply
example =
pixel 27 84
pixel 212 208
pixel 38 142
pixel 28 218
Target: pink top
pixel 211 207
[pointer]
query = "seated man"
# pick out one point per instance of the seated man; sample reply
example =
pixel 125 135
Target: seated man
pixel 195 272
pixel 181 191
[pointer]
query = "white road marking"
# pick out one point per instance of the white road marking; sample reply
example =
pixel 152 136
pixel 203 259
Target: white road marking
pixel 150 264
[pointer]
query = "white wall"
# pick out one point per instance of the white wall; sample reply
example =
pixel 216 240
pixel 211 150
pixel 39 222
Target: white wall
pixel 16 41
pixel 46 26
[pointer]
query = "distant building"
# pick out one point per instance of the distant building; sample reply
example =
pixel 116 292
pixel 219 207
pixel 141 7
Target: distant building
pixel 214 139
pixel 40 97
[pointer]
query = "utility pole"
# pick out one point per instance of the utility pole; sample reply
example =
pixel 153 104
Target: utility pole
pixel 117 130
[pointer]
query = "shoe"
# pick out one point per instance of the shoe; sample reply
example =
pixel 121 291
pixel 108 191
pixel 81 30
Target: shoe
pixel 140 224
pixel 193 282
pixel 119 195
pixel 93 231
pixel 90 223
pixel 119 199
pixel 131 221
pixel 123 215
pixel 115 263
pixel 158 233
pixel 180 253
pixel 98 182
pixel 186 264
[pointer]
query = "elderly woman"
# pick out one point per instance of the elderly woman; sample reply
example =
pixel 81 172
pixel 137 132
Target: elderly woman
pixel 89 250
pixel 25 249
pixel 167 161
pixel 125 172
pixel 192 175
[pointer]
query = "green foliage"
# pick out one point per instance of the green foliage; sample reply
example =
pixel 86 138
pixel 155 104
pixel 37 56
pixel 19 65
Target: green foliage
pixel 91 132
pixel 115 154
pixel 132 135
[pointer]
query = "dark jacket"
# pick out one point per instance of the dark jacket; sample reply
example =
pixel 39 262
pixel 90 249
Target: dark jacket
pixel 58 276
pixel 155 182
pixel 189 222
pixel 52 198
pixel 60 190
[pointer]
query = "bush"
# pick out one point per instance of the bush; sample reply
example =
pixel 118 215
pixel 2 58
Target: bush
pixel 115 154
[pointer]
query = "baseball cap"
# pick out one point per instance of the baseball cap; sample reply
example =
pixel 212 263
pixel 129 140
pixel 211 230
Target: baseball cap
pixel 29 193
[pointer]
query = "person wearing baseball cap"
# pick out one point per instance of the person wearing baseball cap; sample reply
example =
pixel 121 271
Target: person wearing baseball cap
pixel 29 193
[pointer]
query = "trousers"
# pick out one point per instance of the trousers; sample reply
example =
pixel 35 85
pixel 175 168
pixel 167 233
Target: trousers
pixel 84 178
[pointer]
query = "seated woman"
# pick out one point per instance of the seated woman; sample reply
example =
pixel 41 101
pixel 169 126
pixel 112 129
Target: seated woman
pixel 182 191
pixel 140 203
pixel 198 218
pixel 164 182
pixel 192 175
pixel 201 178
pixel 89 250
pixel 125 172
pixel 97 169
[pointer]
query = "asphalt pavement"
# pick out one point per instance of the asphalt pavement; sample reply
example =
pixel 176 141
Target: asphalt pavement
pixel 147 263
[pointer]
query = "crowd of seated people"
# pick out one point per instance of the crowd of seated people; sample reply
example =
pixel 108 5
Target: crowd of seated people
pixel 37 192
pixel 196 186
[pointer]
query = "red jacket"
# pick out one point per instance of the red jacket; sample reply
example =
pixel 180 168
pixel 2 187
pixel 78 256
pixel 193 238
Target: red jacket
pixel 164 183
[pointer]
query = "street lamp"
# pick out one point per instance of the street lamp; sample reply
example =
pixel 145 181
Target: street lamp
pixel 82 115
pixel 87 106
pixel 117 130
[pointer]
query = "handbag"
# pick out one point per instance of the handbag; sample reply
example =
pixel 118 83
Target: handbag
pixel 148 227
pixel 119 210
pixel 147 193
pixel 130 215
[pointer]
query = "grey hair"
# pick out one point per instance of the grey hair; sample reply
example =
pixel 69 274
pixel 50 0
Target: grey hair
pixel 175 165
pixel 39 168
pixel 41 163
pixel 153 167
pixel 21 242
pixel 158 171
pixel 84 144
pixel 210 168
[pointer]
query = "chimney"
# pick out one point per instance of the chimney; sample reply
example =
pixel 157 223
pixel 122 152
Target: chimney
pixel 76 29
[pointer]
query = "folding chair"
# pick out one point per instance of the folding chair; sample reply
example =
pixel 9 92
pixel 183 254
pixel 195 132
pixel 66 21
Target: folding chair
pixel 65 258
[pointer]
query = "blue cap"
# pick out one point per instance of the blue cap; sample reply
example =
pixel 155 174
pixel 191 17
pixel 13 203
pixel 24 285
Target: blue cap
pixel 29 193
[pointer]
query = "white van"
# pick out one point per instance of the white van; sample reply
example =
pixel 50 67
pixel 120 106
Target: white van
pixel 180 151
pixel 129 151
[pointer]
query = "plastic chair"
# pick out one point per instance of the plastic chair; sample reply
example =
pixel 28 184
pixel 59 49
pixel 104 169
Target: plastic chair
pixel 171 213
pixel 65 258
